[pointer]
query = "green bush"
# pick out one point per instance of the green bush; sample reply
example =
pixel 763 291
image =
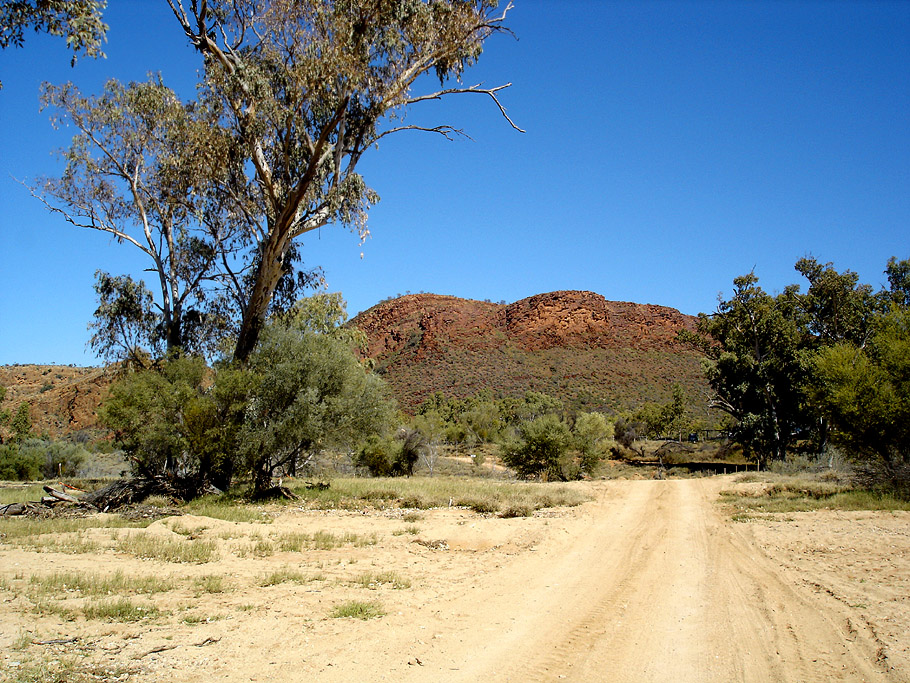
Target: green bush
pixel 378 455
pixel 18 465
pixel 541 449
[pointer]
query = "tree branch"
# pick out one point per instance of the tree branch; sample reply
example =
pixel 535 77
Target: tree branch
pixel 448 132
pixel 474 89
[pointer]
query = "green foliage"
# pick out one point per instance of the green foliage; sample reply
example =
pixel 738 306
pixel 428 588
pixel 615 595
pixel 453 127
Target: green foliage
pixel 755 366
pixel 658 420
pixel 4 414
pixel 479 419
pixel 181 418
pixel 302 391
pixel 866 392
pixel 309 393
pixel 392 457
pixel 378 455
pixel 21 423
pixel 481 423
pixel 217 190
pixel 540 448
pixel 785 367
pixel 324 313
pixel 835 308
pixel 19 465
pixel 140 168
pixel 590 435
pixel 898 273
pixel 56 458
pixel 125 325
pixel 77 20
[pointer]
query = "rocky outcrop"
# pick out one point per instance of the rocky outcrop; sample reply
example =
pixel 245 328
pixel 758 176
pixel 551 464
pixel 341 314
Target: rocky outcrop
pixel 569 343
pixel 62 399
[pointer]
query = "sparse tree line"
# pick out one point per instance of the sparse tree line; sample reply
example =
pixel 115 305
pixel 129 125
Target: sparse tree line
pixel 26 456
pixel 228 371
pixel 806 369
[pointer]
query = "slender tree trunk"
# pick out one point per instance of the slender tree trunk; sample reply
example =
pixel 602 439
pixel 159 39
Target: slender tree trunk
pixel 269 272
pixel 173 331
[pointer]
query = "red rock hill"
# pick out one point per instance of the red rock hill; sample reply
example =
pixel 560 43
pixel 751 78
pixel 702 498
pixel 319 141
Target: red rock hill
pixel 590 352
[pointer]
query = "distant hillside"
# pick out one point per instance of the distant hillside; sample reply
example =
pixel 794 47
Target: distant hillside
pixel 590 352
pixel 62 398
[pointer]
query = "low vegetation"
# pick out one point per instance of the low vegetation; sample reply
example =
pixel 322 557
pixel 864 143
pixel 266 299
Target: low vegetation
pixel 480 495
pixel 356 609
pixel 803 492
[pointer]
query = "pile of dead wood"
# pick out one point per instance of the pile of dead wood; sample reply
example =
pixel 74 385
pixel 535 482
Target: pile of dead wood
pixel 115 495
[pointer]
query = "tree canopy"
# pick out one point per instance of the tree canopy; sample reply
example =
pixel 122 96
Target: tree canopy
pixel 800 366
pixel 79 21
pixel 218 190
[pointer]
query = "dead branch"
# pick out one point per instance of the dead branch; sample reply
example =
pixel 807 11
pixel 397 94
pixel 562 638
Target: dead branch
pixel 474 89
pixel 56 641
pixel 59 495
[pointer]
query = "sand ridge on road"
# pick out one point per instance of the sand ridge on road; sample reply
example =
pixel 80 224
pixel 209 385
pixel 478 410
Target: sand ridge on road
pixel 650 581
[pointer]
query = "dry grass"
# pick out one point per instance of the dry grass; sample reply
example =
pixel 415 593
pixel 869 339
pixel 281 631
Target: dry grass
pixel 480 495
pixel 804 492
pixel 288 575
pixel 356 609
pixel 96 584
pixel 386 579
pixel 190 551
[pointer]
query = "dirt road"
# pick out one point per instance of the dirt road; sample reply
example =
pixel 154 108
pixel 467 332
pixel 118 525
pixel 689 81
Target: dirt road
pixel 651 583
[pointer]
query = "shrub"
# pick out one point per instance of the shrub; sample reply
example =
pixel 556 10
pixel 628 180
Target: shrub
pixel 377 455
pixel 16 464
pixel 540 449
pixel 56 458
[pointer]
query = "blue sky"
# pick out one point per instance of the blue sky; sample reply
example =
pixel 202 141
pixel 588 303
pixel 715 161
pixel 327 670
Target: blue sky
pixel 670 147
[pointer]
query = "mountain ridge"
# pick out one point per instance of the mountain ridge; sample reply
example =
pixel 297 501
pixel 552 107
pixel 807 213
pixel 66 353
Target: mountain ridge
pixel 591 352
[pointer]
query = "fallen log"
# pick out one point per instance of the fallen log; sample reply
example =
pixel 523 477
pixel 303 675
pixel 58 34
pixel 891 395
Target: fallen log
pixel 276 492
pixel 318 485
pixel 11 509
pixel 59 495
pixel 129 491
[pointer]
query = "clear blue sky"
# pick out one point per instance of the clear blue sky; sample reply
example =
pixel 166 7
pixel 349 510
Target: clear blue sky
pixel 670 147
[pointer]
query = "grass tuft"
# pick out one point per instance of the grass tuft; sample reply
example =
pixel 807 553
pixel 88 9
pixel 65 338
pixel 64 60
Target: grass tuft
pixel 121 609
pixel 288 575
pixel 211 583
pixel 356 609
pixel 93 584
pixel 374 580
pixel 187 551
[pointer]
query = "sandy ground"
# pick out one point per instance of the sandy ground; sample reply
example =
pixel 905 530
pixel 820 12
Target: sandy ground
pixel 651 581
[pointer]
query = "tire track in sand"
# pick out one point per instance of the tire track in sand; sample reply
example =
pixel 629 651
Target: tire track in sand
pixel 657 585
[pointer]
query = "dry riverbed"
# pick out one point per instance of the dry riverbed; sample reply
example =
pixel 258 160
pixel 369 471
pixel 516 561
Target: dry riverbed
pixel 650 581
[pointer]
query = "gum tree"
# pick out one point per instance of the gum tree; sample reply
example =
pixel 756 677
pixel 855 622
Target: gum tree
pixel 139 169
pixel 79 21
pixel 218 191
pixel 304 88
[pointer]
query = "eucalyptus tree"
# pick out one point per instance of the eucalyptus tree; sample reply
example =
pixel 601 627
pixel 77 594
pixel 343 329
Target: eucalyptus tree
pixel 78 20
pixel 140 168
pixel 217 191
pixel 837 307
pixel 755 366
pixel 304 88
